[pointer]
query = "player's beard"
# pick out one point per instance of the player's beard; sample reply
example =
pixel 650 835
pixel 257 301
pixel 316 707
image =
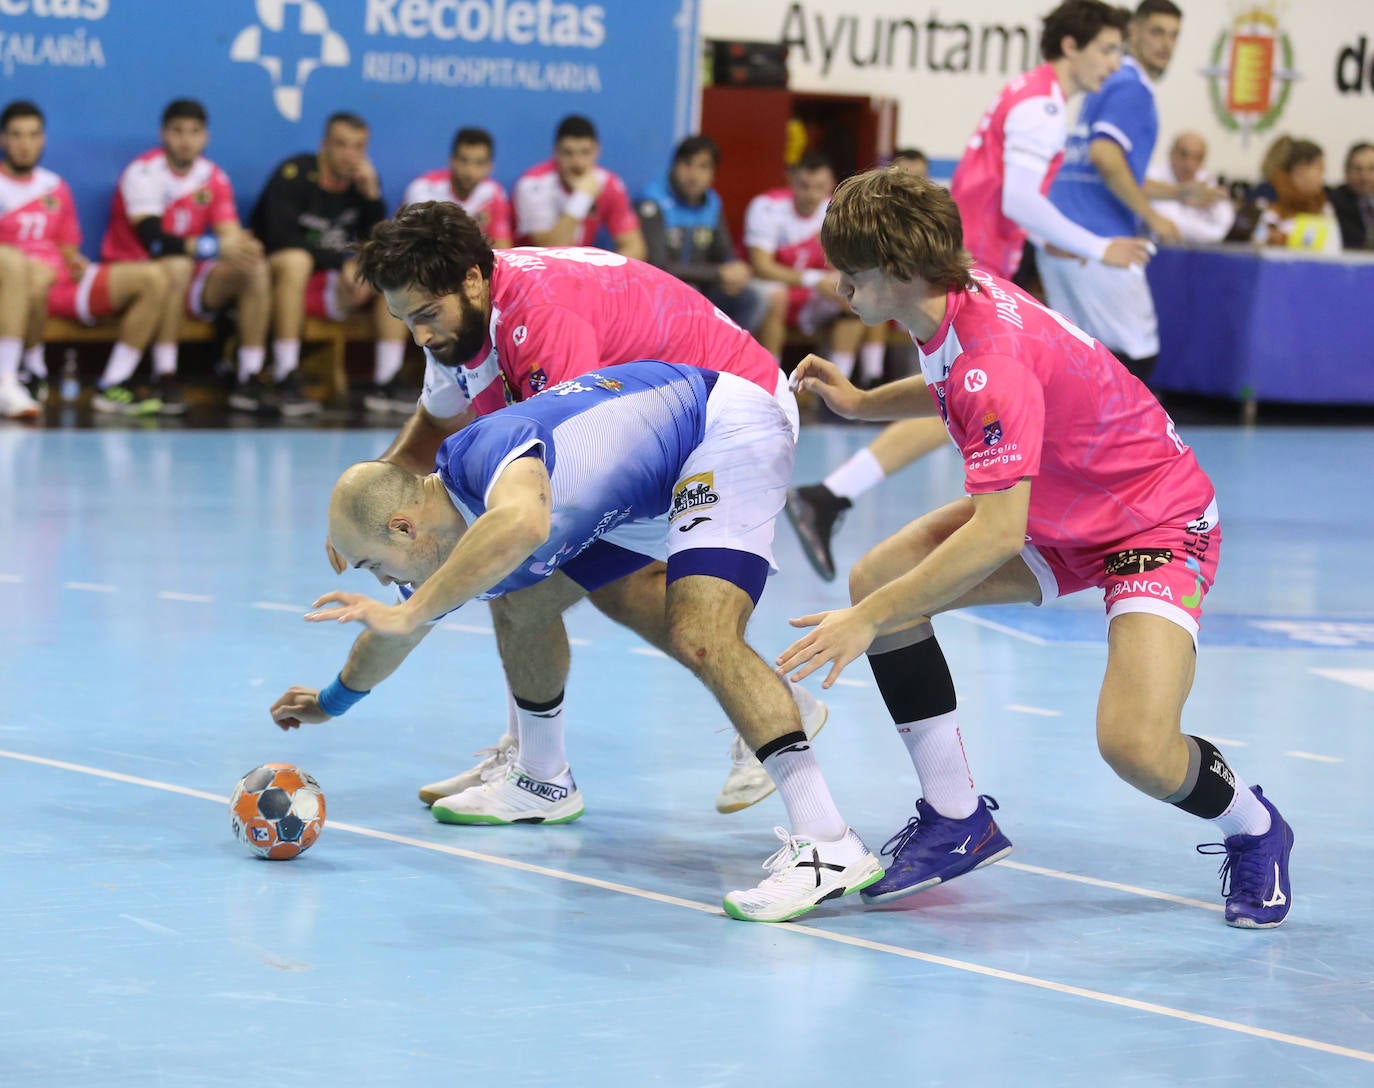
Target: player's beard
pixel 467 341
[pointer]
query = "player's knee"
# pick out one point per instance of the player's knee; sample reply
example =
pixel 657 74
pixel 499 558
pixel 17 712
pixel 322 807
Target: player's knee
pixel 41 278
pixel 1130 749
pixel 12 263
pixel 146 280
pixel 176 271
pixel 291 265
pixel 694 644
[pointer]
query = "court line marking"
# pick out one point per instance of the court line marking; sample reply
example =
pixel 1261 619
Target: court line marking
pixel 1039 711
pixel 1314 757
pixel 1095 882
pixel 10 578
pixel 1099 996
pixel 468 628
pixel 194 598
pixel 277 606
pixel 1001 628
pixel 649 651
pixel 90 587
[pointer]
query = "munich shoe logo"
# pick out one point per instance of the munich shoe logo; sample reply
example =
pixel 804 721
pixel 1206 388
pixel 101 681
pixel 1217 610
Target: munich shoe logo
pixel 291 40
pixel 549 791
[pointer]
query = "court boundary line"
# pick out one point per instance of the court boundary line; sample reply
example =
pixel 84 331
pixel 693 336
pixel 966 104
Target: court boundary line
pixel 1048 985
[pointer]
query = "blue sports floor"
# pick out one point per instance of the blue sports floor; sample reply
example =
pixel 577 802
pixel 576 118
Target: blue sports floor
pixel 152 585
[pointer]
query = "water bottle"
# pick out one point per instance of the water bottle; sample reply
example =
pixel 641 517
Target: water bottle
pixel 71 377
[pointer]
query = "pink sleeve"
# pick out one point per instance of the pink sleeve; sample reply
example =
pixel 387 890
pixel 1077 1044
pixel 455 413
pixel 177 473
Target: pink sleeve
pixel 500 224
pixel 997 416
pixel 222 206
pixel 614 209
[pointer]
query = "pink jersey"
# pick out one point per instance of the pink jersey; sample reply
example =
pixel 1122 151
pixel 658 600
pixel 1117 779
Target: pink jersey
pixel 771 223
pixel 189 204
pixel 38 216
pixel 1027 123
pixel 560 313
pixel 1025 393
pixel 487 203
pixel 540 198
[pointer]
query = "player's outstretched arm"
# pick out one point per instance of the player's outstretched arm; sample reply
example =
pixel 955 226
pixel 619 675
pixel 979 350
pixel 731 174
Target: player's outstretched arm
pixel 896 400
pixel 371 660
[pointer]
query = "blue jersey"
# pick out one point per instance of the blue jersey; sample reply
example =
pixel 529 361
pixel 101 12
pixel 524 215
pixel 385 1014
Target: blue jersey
pixel 1124 111
pixel 613 441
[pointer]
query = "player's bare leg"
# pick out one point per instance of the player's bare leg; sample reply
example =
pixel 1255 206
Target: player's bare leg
pixel 291 270
pixel 177 271
pixel 15 401
pixel 772 332
pixel 250 286
pixel 138 292
pixel 387 394
pixel 815 510
pixel 821 858
pixel 34 370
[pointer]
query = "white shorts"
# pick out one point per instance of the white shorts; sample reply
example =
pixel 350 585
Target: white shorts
pixel 1113 305
pixel 729 492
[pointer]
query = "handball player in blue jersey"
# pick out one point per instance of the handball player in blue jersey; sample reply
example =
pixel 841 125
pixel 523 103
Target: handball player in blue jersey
pixel 642 459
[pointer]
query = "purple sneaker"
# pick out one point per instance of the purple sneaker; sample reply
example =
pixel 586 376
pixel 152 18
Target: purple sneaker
pixel 933 848
pixel 1254 876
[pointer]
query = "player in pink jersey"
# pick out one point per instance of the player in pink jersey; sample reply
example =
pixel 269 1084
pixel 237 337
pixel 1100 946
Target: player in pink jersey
pixel 467 182
pixel 782 230
pixel 501 327
pixel 1075 478
pixel 569 199
pixel 1000 186
pixel 176 207
pixel 42 270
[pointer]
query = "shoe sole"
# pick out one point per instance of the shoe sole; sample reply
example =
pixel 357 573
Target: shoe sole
pixel 902 893
pixel 808 549
pixel 476 819
pixel 834 893
pixel 437 791
pixel 740 806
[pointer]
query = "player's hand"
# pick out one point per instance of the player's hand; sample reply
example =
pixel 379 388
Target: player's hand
pixel 354 293
pixel 839 637
pixel 335 559
pixel 1128 253
pixel 829 288
pixel 1164 228
pixel 366 181
pixel 1053 250
pixel 297 707
pixel 384 619
pixel 822 377
pixel 241 251
pixel 77 265
pixel 734 277
pixel 1193 195
pixel 589 183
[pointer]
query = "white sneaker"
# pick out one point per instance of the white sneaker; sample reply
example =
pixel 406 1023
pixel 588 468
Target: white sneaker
pixel 513 798
pixel 748 783
pixel 494 764
pixel 804 874
pixel 15 401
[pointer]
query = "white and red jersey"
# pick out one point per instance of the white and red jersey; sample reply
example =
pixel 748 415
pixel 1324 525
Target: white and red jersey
pixel 540 198
pixel 38 216
pixel 1027 123
pixel 487 203
pixel 1025 393
pixel 189 204
pixel 562 312
pixel 771 223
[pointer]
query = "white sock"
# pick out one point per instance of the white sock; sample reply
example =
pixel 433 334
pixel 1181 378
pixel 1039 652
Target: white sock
pixel 871 361
pixel 937 752
pixel 859 474
pixel 811 810
pixel 542 754
pixel 1244 815
pixel 845 361
pixel 286 356
pixel 512 716
pixel 11 351
pixel 120 366
pixel 390 354
pixel 36 361
pixel 250 362
pixel 164 359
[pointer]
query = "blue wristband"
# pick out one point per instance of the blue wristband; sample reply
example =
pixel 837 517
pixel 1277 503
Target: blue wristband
pixel 207 246
pixel 338 697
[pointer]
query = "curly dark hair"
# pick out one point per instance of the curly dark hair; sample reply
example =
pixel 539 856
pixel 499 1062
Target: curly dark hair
pixel 430 246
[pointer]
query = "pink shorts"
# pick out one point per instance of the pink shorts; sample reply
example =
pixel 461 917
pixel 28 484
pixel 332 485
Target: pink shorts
pixel 1165 571
pixel 86 300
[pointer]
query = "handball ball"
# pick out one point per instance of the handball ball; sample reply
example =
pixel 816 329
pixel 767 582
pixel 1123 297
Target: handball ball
pixel 277 811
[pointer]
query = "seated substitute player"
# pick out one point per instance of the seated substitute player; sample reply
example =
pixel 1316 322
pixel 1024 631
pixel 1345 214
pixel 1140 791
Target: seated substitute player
pixel 687 235
pixel 782 236
pixel 467 182
pixel 1000 186
pixel 312 210
pixel 504 326
pixel 176 207
pixel 624 457
pixel 570 199
pixel 1076 478
pixel 42 272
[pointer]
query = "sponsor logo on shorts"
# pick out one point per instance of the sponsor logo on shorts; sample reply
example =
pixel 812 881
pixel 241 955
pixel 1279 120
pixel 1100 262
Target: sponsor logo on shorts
pixel 1194 598
pixel 1138 560
pixel 694 493
pixel 992 429
pixel 548 791
pixel 1136 587
pixel 539 380
pixel 692 524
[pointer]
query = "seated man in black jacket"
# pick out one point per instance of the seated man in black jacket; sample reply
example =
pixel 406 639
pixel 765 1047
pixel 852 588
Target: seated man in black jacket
pixel 686 234
pixel 312 209
pixel 1354 201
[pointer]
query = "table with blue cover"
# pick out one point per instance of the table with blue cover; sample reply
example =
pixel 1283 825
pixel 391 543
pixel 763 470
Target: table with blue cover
pixel 1265 324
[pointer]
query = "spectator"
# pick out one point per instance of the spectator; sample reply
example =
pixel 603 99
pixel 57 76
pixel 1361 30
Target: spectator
pixel 1300 216
pixel 566 200
pixel 782 232
pixel 467 182
pixel 41 262
pixel 1181 191
pixel 912 160
pixel 313 208
pixel 176 207
pixel 1354 201
pixel 686 234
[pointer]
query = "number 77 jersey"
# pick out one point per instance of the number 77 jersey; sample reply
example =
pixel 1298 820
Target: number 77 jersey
pixel 1027 394
pixel 38 216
